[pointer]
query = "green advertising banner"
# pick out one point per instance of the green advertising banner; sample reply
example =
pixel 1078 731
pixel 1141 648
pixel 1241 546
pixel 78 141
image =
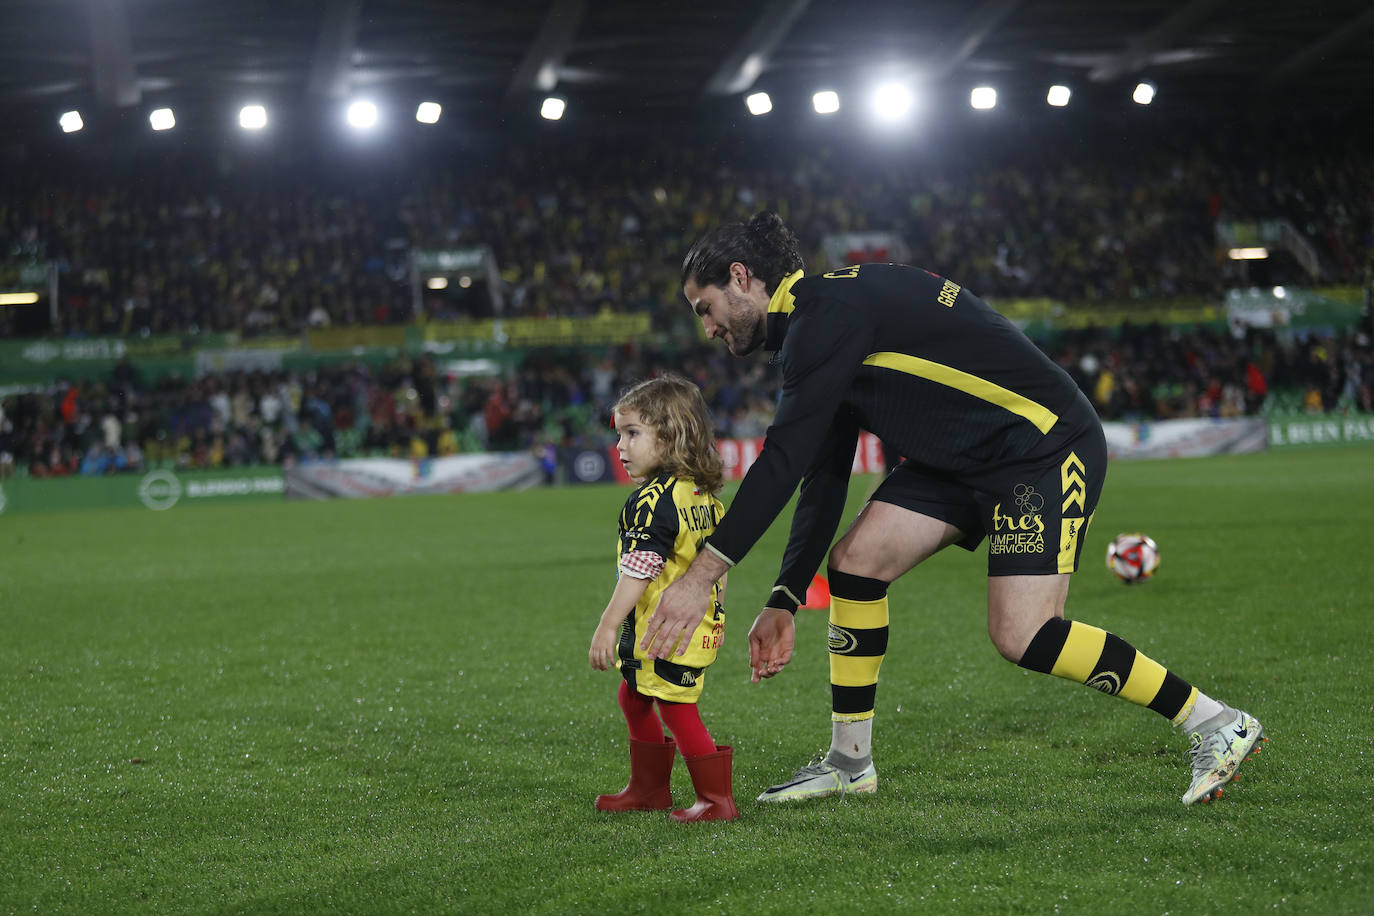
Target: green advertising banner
pixel 498 333
pixel 158 489
pixel 1042 318
pixel 47 360
pixel 1321 429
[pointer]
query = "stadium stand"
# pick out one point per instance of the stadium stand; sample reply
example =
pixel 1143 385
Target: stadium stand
pixel 202 245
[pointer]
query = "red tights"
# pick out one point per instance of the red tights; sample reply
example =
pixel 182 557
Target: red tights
pixel 682 719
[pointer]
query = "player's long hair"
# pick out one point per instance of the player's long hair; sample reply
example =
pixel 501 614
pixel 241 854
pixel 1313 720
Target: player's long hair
pixel 675 410
pixel 764 245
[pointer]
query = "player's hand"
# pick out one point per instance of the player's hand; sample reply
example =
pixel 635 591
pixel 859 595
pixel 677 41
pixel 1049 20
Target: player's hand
pixel 681 609
pixel 771 640
pixel 602 652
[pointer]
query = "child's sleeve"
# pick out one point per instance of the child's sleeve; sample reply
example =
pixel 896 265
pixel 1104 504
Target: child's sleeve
pixel 648 530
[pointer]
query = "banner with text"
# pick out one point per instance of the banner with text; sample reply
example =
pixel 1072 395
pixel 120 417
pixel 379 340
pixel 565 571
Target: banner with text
pixel 1185 438
pixel 158 489
pixel 1321 430
pixel 360 478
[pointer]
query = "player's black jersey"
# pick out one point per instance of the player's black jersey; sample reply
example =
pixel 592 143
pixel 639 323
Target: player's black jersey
pixel 917 360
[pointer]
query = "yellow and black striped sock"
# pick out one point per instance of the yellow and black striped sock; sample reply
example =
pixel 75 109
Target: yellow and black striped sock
pixel 1082 653
pixel 858 642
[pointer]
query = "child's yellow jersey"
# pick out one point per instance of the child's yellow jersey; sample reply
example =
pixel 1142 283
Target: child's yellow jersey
pixel 667 516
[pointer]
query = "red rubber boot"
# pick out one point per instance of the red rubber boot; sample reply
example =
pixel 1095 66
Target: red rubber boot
pixel 711 779
pixel 651 766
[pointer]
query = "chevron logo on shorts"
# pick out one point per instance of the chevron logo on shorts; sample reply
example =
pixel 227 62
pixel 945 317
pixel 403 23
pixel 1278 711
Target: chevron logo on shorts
pixel 1071 481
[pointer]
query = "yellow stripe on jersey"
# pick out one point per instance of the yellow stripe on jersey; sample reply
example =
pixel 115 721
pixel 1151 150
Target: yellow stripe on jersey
pixel 783 301
pixel 1082 649
pixel 648 500
pixel 1042 417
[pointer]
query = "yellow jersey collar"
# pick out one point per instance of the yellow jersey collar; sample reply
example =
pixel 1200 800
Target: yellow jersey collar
pixel 783 301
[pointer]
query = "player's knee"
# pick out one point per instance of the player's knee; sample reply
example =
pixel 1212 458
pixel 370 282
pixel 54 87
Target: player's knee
pixel 840 557
pixel 1012 637
pixel 1010 649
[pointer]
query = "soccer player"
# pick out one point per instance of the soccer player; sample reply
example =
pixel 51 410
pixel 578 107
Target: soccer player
pixel 999 443
pixel 665 441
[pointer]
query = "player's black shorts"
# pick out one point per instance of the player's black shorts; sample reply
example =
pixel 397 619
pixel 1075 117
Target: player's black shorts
pixel 1034 514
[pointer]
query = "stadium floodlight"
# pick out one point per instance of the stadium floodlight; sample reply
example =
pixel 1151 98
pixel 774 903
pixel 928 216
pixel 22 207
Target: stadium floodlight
pixel 162 119
pixel 252 117
pixel 18 298
pixel 983 98
pixel 553 108
pixel 362 114
pixel 1058 96
pixel 1248 254
pixel 827 101
pixel 71 122
pixel 1280 293
pixel 428 112
pixel 891 101
pixel 758 103
pixel 437 283
pixel 1144 93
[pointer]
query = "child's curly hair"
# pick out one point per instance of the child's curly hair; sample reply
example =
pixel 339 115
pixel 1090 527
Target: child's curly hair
pixel 674 408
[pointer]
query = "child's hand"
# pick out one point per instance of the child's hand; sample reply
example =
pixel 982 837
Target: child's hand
pixel 602 652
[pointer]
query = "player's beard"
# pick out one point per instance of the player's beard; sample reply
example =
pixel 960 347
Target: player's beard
pixel 747 326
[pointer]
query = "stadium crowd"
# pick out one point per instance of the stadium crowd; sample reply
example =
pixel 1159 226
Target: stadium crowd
pixel 202 244
pixel 415 408
pixel 214 244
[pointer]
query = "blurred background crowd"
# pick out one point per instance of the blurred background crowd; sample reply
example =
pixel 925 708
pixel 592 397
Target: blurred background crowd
pixel 412 408
pixel 212 245
pixel 220 244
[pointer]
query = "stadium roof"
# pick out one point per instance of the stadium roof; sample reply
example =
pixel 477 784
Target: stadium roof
pixel 625 56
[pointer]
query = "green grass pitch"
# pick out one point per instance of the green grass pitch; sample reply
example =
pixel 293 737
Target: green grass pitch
pixel 386 707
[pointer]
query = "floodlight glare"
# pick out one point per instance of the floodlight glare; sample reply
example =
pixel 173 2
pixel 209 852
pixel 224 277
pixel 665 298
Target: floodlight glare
pixel 428 112
pixel 827 101
pixel 983 98
pixel 18 298
pixel 891 101
pixel 1248 254
pixel 758 103
pixel 437 283
pixel 362 114
pixel 1058 96
pixel 465 281
pixel 252 117
pixel 1144 94
pixel 71 122
pixel 162 119
pixel 553 108
pixel 1280 293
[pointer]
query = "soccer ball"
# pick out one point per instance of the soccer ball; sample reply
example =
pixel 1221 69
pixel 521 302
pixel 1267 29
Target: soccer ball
pixel 1133 558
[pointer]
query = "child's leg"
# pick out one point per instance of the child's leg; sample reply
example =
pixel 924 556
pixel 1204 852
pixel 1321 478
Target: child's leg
pixel 709 765
pixel 684 721
pixel 651 759
pixel 639 715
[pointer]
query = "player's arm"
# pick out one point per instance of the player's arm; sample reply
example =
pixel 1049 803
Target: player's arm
pixel 628 590
pixel 823 353
pixel 824 350
pixel 818 512
pixel 773 635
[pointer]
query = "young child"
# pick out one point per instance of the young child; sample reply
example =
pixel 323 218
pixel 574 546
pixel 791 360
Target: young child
pixel 666 443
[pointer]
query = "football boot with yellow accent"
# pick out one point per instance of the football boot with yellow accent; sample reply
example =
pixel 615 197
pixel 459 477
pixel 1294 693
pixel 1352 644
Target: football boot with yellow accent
pixel 1218 748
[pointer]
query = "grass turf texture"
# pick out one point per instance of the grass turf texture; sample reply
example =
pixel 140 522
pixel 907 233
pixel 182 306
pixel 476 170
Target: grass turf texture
pixel 385 706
